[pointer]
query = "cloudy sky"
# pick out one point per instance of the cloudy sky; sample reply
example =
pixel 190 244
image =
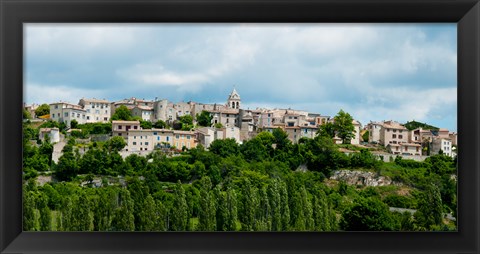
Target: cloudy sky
pixel 373 71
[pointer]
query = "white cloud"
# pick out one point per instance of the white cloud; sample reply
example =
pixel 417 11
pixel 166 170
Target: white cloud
pixel 41 93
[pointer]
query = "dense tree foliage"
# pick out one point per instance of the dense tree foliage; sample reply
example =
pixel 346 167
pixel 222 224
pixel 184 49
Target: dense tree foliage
pixel 122 113
pixel 204 119
pixel 42 110
pixel 344 128
pixel 265 184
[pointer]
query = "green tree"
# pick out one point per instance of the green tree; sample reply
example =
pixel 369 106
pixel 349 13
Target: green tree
pixel 67 166
pixel 83 219
pixel 284 206
pixel 29 206
pixel 344 128
pixel 231 204
pixel 160 124
pixel 124 219
pixel 207 211
pixel 365 136
pixel 281 139
pixel 224 147
pixel 430 208
pixel 26 114
pixel 122 113
pixel 148 215
pixel 161 213
pixel 146 124
pixel 221 214
pixel 367 214
pixel 204 119
pixel 327 130
pixel 250 203
pixel 115 144
pixel 73 124
pixel 104 209
pixel 180 209
pixel 275 205
pixel 42 110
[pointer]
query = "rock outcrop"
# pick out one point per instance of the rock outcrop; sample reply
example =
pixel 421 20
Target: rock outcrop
pixel 360 178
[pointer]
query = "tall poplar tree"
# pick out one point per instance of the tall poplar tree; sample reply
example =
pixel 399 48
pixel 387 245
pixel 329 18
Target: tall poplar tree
pixel 28 210
pixel 124 219
pixel 206 213
pixel 231 202
pixel 179 209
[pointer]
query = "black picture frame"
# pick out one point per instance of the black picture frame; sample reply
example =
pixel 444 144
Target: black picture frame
pixel 13 13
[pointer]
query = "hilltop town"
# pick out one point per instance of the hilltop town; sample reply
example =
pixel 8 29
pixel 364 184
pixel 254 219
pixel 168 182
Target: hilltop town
pixel 156 165
pixel 230 120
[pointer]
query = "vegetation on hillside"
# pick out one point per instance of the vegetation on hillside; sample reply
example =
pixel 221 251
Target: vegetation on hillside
pixel 254 186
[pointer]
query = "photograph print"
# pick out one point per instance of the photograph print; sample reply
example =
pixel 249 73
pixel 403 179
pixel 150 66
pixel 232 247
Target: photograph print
pixel 240 127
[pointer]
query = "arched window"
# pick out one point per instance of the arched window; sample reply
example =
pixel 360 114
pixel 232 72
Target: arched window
pixel 238 104
pixel 233 104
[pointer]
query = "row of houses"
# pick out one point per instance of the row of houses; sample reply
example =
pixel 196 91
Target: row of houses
pixel 232 121
pixel 399 140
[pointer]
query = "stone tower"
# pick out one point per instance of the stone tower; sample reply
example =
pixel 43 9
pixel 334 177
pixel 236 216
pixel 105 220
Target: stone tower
pixel 234 100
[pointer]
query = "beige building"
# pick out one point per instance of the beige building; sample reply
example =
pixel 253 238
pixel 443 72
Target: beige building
pixel 374 132
pixel 144 112
pixel 121 128
pixel 52 133
pixel 454 137
pixel 393 133
pixel 441 144
pixel 356 138
pixel 184 139
pixel 96 110
pixel 140 140
pixel 405 148
pixel 66 112
pixel 165 111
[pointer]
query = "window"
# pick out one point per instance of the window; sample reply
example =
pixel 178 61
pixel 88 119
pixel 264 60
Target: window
pixel 141 137
pixel 53 116
pixel 140 143
pixel 388 130
pixel 73 114
pixel 120 127
pixel 158 138
pixel 88 110
pixel 146 143
pixel 168 138
pixel 177 136
pixel 394 136
pixel 188 136
pixel 105 119
pixel 155 133
pixel 134 127
pixel 134 143
pixel 56 106
pixel 88 118
pixel 66 114
pixel 134 137
pixel 394 130
pixel 119 134
pixel 400 136
pixel 78 115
